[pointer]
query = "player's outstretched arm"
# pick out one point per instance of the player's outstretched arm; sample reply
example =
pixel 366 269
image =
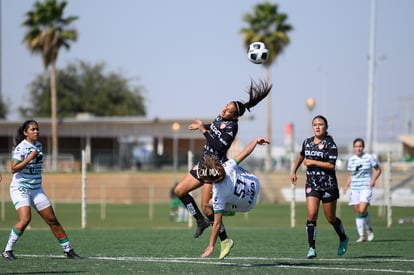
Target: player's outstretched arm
pixel 250 147
pixel 218 220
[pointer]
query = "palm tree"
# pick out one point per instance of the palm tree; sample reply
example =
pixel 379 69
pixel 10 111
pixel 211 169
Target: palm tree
pixel 267 25
pixel 47 33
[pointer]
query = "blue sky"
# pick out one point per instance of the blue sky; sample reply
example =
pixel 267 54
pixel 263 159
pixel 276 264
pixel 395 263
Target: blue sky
pixel 190 58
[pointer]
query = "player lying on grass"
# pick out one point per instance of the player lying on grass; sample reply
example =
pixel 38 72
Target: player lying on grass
pixel 234 190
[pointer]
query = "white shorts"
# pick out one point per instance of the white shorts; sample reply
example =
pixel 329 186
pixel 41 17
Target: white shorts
pixel 27 197
pixel 358 196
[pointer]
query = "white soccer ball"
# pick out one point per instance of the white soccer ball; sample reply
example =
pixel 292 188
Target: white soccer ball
pixel 257 52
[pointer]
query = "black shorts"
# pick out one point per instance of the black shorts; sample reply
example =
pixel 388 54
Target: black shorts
pixel 324 196
pixel 193 172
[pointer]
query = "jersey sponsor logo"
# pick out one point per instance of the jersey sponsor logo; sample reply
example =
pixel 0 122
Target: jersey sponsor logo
pixel 207 172
pixel 215 130
pixel 309 153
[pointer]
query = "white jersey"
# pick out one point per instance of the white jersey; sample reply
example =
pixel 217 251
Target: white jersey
pixel 237 192
pixel 30 177
pixel 361 170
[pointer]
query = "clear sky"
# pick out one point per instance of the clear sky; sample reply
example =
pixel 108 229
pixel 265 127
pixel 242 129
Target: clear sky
pixel 190 58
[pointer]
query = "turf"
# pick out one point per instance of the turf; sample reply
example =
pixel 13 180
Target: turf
pixel 127 241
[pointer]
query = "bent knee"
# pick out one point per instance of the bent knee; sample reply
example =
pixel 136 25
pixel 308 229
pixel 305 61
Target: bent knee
pixel 331 220
pixel 23 223
pixel 53 222
pixel 187 185
pixel 180 192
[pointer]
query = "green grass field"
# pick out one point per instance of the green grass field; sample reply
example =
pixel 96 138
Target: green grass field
pixel 127 241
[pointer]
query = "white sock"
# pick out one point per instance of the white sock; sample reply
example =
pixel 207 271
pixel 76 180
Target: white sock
pixel 13 237
pixel 368 222
pixel 360 225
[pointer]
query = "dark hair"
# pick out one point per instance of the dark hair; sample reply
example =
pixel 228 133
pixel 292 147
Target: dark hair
pixel 324 120
pixel 20 131
pixel 359 139
pixel 257 92
pixel 211 170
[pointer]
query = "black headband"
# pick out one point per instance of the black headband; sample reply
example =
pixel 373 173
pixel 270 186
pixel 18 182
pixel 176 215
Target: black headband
pixel 240 108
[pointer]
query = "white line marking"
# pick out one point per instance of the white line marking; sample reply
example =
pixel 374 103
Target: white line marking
pixel 235 261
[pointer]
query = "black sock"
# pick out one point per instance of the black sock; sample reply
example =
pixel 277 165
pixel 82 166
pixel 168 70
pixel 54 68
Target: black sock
pixel 222 231
pixel 339 229
pixel 192 207
pixel 311 231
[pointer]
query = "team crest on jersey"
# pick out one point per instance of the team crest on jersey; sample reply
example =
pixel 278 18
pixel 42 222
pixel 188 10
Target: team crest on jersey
pixel 223 125
pixel 322 145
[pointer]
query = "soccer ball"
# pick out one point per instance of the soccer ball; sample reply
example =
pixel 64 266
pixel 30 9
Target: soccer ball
pixel 257 52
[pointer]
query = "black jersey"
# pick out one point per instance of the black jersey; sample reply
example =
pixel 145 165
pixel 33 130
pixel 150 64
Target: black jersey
pixel 219 137
pixel 317 178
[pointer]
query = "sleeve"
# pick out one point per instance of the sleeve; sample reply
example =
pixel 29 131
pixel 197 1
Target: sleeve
pixel 350 165
pixel 302 152
pixel 373 161
pixel 332 152
pixel 17 153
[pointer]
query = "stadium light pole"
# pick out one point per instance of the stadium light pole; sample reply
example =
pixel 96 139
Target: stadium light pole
pixel 175 127
pixel 323 88
pixel 1 54
pixel 371 73
pixel 310 104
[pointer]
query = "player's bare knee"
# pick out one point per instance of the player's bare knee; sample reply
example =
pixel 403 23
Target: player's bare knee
pixel 24 221
pixel 53 222
pixel 22 224
pixel 331 220
pixel 179 192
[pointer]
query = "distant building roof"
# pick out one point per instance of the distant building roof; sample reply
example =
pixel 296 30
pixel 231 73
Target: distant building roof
pixel 92 126
pixel 408 140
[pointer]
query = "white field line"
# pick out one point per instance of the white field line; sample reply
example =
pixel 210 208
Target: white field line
pixel 239 261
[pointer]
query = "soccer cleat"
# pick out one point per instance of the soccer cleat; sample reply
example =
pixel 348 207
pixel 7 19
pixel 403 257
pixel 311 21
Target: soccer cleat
pixel 8 255
pixel 343 246
pixel 226 246
pixel 311 253
pixel 370 235
pixel 71 255
pixel 361 239
pixel 201 226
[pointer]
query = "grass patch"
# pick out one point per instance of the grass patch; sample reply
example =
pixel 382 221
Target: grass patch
pixel 129 242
